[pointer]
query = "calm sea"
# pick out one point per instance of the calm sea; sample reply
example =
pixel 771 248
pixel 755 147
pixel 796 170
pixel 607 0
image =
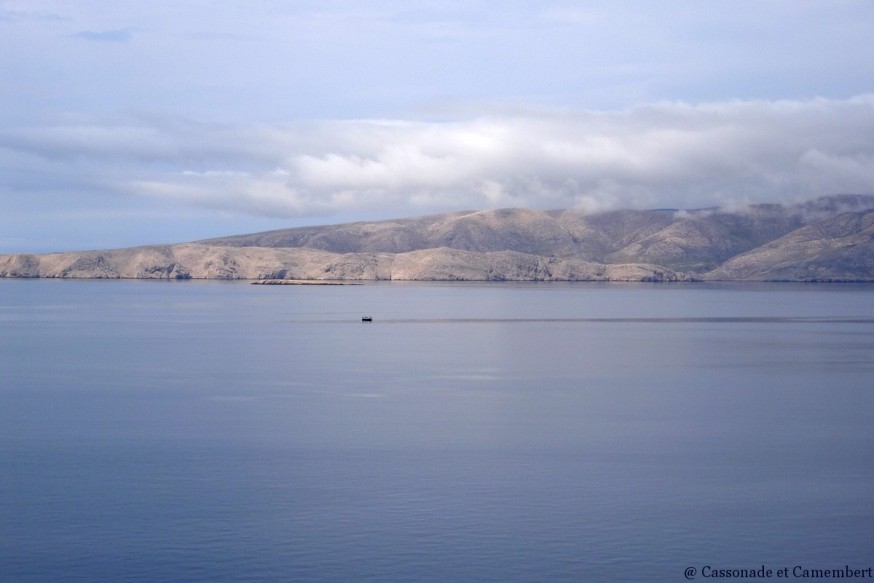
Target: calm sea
pixel 154 431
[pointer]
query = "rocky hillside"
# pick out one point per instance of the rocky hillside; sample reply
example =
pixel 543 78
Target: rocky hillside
pixel 830 238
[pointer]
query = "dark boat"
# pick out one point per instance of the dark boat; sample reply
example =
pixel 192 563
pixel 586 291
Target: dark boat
pixel 366 319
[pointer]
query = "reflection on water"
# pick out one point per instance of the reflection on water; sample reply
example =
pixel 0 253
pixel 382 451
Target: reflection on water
pixel 209 431
pixel 730 320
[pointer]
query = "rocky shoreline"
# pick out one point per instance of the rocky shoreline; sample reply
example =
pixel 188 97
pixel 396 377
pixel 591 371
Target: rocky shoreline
pixel 300 282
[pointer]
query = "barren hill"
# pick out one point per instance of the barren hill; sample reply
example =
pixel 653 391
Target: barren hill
pixel 831 238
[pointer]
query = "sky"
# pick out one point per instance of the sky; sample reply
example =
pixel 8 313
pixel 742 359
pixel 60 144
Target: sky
pixel 126 123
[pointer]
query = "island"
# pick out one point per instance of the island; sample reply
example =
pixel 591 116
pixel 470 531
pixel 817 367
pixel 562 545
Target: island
pixel 826 239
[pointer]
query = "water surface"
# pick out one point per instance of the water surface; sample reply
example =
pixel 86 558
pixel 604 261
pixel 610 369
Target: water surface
pixel 209 431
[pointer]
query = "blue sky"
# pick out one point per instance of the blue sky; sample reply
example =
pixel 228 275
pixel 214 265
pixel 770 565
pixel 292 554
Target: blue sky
pixel 126 123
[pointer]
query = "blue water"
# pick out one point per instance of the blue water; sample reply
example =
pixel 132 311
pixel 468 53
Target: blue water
pixel 194 431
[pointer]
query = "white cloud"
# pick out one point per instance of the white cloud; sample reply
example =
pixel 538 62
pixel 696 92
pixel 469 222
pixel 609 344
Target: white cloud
pixel 661 155
pixel 118 35
pixel 571 16
pixel 264 80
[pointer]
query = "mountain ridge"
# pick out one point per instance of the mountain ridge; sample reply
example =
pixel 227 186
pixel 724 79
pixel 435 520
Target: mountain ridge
pixel 826 239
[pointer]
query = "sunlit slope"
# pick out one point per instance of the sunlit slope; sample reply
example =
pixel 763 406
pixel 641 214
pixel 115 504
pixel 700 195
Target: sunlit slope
pixel 826 239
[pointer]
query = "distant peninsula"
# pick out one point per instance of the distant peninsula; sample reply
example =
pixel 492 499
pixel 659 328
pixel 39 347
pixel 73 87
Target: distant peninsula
pixel 827 239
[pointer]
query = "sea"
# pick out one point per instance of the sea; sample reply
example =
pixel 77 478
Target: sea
pixel 471 432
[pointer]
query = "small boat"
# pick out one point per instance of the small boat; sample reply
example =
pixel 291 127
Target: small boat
pixel 366 319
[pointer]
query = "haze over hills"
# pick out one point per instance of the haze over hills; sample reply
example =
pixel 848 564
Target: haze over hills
pixel 826 239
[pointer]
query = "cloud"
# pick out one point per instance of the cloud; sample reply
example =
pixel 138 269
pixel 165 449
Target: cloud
pixel 571 16
pixel 119 35
pixel 29 15
pixel 660 155
pixel 278 61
